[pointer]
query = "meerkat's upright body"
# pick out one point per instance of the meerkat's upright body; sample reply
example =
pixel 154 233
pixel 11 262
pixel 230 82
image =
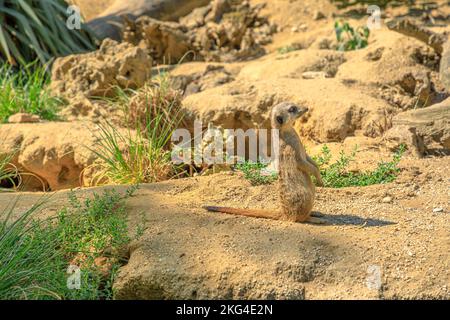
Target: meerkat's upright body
pixel 297 191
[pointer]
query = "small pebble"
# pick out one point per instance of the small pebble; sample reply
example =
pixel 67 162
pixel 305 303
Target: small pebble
pixel 303 27
pixel 438 210
pixel 387 199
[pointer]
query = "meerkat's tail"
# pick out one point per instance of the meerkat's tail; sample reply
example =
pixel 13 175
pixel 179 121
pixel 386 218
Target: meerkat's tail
pixel 255 213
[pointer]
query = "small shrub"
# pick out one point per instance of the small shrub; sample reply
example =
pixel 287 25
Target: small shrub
pixel 25 90
pixel 336 175
pixel 35 255
pixel 349 38
pixel 255 173
pixel 132 157
pixel 88 230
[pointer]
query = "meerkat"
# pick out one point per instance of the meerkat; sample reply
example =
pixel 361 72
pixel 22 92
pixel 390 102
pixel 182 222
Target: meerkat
pixel 297 191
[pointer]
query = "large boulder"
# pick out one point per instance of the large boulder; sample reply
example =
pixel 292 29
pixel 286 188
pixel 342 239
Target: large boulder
pixel 108 23
pixel 429 127
pixel 54 153
pixel 445 66
pixel 337 110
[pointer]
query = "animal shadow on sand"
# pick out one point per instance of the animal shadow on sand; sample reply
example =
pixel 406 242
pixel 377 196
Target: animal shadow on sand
pixel 351 220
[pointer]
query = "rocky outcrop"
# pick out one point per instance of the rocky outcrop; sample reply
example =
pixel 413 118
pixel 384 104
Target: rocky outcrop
pixel 428 126
pixel 82 79
pixel 224 30
pixel 108 23
pixel 166 41
pixel 55 153
pixel 96 74
pixel 445 66
pixel 348 93
pixel 438 41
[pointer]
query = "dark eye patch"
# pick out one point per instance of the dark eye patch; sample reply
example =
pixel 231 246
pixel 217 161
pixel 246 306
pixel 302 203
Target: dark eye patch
pixel 293 109
pixel 280 119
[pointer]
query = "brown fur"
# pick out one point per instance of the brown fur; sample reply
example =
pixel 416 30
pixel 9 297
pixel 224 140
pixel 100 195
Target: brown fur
pixel 297 191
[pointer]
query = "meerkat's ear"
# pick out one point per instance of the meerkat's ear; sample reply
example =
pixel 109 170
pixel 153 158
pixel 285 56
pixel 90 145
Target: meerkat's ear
pixel 280 119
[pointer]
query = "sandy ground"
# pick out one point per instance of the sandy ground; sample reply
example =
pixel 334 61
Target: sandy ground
pixel 186 252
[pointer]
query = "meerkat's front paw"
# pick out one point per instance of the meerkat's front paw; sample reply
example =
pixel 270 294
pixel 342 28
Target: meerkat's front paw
pixel 319 181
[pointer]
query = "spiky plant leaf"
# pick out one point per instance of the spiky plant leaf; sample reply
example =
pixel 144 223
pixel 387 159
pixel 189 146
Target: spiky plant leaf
pixel 31 29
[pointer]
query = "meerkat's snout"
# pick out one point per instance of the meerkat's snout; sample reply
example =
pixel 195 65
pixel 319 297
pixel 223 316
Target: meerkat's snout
pixel 286 113
pixel 306 109
pixel 298 110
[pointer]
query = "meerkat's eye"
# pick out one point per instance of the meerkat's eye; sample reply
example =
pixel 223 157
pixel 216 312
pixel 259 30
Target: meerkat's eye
pixel 293 109
pixel 280 119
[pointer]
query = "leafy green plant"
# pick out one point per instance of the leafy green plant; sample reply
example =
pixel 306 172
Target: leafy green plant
pixel 350 38
pixel 255 172
pixel 88 230
pixel 35 254
pixel 337 175
pixel 25 90
pixel 37 29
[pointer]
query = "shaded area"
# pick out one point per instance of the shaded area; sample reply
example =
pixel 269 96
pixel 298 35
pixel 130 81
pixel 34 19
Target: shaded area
pixel 351 220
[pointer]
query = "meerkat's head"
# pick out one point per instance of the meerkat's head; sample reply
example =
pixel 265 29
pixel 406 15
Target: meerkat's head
pixel 284 114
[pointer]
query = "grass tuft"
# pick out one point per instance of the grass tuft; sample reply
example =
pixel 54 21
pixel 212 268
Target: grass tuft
pixel 140 154
pixel 7 171
pixel 35 254
pixel 26 90
pixel 334 175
